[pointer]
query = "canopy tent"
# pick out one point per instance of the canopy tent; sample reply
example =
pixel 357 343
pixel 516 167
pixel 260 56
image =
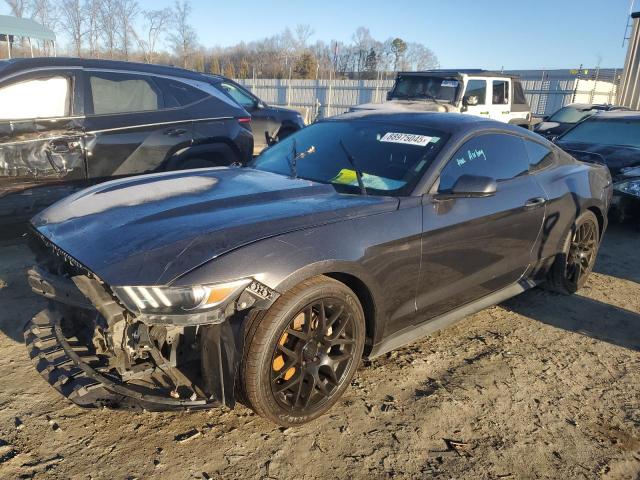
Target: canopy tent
pixel 25 28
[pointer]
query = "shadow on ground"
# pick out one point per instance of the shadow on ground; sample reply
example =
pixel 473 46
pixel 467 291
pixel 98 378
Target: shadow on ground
pixel 582 315
pixel 618 255
pixel 17 303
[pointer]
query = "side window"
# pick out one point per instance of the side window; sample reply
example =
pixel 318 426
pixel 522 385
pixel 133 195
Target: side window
pixel 37 98
pixel 238 95
pixel 498 156
pixel 539 156
pixel 500 92
pixel 476 93
pixel 179 94
pixel 123 93
pixel 518 93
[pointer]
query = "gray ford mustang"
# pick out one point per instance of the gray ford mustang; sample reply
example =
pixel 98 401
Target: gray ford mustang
pixel 267 284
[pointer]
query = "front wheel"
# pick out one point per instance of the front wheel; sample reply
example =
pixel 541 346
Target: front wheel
pixel 301 354
pixel 572 267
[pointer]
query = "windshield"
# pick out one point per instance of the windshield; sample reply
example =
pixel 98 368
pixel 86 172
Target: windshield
pixel 391 157
pixel 603 132
pixel 571 115
pixel 440 88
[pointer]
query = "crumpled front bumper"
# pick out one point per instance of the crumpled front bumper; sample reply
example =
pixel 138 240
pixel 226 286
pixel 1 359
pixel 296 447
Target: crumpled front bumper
pixel 66 365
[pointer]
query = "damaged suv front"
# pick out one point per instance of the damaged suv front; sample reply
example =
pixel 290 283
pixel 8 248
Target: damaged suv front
pixel 153 347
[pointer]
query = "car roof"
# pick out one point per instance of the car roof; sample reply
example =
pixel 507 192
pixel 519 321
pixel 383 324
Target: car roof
pixel 616 115
pixel 462 71
pixel 595 106
pixel 457 123
pixel 19 64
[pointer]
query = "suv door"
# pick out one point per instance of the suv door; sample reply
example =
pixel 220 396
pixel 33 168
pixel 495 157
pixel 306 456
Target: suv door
pixel 500 100
pixel 475 98
pixel 473 246
pixel 263 122
pixel 134 125
pixel 41 151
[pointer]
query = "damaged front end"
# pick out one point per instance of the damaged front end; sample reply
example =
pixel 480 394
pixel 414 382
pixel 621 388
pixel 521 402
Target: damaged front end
pixel 99 346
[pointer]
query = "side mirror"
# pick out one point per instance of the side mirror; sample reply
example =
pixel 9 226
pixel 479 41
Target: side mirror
pixel 389 95
pixel 471 186
pixel 259 105
pixel 470 100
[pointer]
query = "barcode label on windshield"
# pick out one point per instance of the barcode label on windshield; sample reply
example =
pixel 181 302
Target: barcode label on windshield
pixel 406 138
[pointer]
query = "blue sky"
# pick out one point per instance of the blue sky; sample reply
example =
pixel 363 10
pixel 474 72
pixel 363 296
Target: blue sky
pixel 514 34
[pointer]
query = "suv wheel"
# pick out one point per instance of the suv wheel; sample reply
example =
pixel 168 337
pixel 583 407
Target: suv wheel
pixel 301 354
pixel 571 268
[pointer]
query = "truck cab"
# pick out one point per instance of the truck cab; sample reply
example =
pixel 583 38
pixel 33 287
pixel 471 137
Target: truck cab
pixel 475 92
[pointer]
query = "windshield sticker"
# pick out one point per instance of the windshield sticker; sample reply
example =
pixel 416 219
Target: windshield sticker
pixel 406 139
pixel 349 177
pixel 449 83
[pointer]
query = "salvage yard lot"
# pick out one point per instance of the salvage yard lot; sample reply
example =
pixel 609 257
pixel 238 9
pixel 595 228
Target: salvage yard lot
pixel 543 386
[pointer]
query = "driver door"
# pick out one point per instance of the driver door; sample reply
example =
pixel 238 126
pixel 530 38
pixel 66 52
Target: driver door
pixel 475 97
pixel 41 141
pixel 475 245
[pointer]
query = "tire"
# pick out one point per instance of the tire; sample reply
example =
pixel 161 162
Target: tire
pixel 292 370
pixel 284 133
pixel 572 266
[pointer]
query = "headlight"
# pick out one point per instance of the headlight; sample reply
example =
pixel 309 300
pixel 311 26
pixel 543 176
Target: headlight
pixel 165 304
pixel 631 187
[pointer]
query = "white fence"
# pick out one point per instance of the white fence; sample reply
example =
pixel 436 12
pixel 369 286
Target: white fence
pixel 546 90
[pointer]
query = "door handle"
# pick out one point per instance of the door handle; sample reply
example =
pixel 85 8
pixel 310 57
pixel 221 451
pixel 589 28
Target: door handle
pixel 175 132
pixel 534 202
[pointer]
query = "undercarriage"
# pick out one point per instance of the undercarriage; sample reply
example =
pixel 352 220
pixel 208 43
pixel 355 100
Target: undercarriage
pixel 97 353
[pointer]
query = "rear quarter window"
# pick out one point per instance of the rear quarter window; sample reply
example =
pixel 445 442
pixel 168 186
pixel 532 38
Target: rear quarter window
pixel 518 93
pixel 540 157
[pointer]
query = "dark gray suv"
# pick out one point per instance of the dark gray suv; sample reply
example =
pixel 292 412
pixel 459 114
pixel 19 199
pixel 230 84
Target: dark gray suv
pixel 66 123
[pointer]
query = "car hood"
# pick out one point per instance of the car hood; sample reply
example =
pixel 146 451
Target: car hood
pixel 615 157
pixel 407 106
pixel 151 229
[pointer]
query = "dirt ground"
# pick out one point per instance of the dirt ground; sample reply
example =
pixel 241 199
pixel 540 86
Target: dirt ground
pixel 542 386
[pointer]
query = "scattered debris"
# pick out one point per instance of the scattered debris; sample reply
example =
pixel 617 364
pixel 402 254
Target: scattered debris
pixel 454 447
pixel 44 461
pixel 187 436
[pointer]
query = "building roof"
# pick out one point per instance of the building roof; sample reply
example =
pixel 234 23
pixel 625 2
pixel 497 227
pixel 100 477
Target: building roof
pixel 24 27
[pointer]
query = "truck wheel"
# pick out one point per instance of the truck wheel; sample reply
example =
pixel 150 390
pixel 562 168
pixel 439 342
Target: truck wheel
pixel 572 267
pixel 301 354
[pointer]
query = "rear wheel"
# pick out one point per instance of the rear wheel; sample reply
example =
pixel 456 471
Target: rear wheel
pixel 301 354
pixel 571 268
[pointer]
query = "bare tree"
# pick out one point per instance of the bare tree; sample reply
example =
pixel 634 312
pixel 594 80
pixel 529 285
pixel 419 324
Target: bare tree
pixel 155 24
pixel 303 33
pixel 184 38
pixel 73 23
pixel 18 8
pixel 128 10
pixel 94 29
pixel 46 13
pixel 108 15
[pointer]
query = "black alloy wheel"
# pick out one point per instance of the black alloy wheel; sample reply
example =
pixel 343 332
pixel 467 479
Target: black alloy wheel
pixel 572 267
pixel 301 354
pixel 582 253
pixel 313 355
